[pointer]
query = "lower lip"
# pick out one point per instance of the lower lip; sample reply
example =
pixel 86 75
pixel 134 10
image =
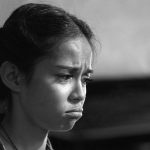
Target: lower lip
pixel 74 115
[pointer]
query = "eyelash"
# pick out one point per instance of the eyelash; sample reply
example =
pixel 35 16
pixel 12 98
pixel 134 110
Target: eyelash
pixel 67 77
pixel 64 77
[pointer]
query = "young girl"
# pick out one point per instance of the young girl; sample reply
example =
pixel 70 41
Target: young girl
pixel 45 62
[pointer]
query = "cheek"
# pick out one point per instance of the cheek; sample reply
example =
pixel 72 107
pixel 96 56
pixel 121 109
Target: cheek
pixel 45 102
pixel 48 96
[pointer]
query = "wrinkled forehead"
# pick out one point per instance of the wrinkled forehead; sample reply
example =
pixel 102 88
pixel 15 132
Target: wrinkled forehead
pixel 76 52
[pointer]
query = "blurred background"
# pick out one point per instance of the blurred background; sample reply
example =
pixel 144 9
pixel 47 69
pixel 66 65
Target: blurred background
pixel 117 110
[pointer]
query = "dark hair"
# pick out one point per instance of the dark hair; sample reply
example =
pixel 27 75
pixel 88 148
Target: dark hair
pixel 31 30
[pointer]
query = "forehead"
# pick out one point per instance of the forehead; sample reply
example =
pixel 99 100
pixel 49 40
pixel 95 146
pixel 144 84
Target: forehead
pixel 73 52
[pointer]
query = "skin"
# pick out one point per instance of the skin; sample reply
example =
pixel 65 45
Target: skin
pixel 54 98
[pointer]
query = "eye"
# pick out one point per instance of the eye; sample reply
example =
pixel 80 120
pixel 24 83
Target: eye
pixel 86 80
pixel 64 77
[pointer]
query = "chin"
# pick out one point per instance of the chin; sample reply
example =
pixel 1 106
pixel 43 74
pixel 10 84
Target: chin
pixel 67 126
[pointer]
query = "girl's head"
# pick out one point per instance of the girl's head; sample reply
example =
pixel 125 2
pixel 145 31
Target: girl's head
pixel 35 32
pixel 32 31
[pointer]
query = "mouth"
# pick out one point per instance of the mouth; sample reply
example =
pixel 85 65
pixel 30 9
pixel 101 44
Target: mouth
pixel 74 113
pixel 75 110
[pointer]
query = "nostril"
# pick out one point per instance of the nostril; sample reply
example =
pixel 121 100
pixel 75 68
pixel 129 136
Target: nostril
pixel 78 99
pixel 75 98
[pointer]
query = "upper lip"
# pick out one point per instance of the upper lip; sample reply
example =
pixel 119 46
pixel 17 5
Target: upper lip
pixel 75 110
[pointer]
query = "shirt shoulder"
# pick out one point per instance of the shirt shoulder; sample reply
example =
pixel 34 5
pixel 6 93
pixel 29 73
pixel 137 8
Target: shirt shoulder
pixel 49 145
pixel 1 146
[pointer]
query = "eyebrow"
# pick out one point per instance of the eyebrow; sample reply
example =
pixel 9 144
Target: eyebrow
pixel 73 68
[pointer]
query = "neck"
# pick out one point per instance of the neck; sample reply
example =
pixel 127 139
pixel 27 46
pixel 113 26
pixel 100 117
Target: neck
pixel 25 136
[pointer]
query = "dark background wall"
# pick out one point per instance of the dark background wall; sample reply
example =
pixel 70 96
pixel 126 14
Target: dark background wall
pixel 116 116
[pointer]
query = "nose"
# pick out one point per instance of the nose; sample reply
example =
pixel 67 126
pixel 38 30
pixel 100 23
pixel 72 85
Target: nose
pixel 78 93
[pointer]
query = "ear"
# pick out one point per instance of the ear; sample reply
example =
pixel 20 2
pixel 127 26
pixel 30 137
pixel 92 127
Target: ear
pixel 11 76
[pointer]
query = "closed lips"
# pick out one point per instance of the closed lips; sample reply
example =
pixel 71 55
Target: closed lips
pixel 74 110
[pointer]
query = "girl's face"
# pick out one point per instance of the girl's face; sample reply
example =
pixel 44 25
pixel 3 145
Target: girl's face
pixel 54 98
